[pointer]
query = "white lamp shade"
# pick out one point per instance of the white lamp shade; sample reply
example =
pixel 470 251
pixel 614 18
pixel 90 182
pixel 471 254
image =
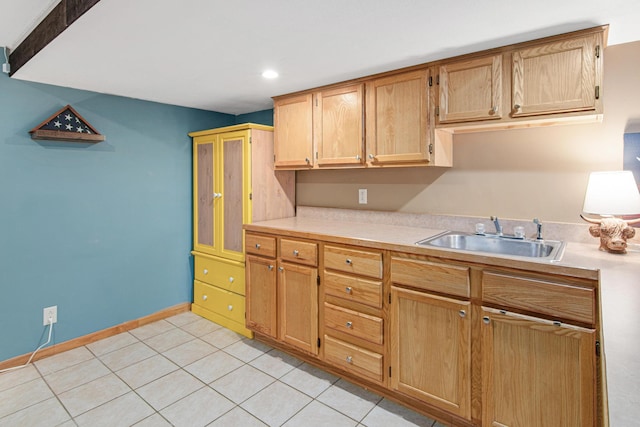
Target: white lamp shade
pixel 612 193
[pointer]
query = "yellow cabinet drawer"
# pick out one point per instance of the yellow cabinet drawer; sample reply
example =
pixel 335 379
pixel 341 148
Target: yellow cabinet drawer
pixel 219 301
pixel 224 274
pixel 353 358
pixel 558 300
pixel 353 323
pixel 447 279
pixel 362 263
pixel 356 289
pixel 260 245
pixel 299 251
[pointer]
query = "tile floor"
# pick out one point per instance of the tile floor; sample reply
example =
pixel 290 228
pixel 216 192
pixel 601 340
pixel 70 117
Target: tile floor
pixel 187 371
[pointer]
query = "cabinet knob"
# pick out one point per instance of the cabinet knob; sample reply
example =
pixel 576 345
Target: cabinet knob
pixel 204 297
pixel 280 269
pixel 349 325
pixel 231 279
pixel 348 289
pixel 257 245
pixel 271 268
pixel 295 252
pixel 516 107
pixel 494 110
pixel 217 195
pixel 230 307
pixel 486 320
pixel 307 161
pixel 371 156
pixel 205 271
pixel 462 313
pixel 358 157
pixel 349 262
pixel 349 359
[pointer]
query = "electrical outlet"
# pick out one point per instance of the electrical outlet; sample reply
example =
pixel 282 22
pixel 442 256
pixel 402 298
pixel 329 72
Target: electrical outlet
pixel 50 312
pixel 362 196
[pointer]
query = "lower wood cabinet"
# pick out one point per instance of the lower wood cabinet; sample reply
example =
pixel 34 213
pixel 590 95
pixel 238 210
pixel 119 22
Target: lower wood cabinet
pixel 298 306
pixel 537 372
pixel 430 342
pixel 261 295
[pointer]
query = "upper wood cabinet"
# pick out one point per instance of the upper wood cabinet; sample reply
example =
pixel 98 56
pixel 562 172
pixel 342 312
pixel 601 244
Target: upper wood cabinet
pixel 557 77
pixel 397 119
pixel 470 90
pixel 293 132
pixel 339 126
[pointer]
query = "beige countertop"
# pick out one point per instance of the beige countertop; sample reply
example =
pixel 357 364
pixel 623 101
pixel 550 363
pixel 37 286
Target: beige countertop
pixel 619 289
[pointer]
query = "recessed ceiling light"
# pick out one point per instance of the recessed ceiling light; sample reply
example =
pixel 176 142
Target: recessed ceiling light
pixel 269 74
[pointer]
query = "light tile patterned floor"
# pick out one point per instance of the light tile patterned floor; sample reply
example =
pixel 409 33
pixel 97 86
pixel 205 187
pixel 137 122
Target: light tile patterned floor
pixel 187 371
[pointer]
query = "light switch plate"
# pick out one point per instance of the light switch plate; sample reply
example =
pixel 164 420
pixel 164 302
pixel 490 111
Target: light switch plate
pixel 362 196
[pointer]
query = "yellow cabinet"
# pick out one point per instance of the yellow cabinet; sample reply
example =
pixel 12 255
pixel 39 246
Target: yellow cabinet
pixel 234 183
pixel 431 349
pixel 470 90
pixel 537 372
pixel 397 119
pixel 557 77
pixel 322 129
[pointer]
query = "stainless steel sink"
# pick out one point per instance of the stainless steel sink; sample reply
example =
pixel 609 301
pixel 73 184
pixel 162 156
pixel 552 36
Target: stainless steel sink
pixel 550 250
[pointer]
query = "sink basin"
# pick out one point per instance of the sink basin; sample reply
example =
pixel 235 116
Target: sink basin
pixel 511 247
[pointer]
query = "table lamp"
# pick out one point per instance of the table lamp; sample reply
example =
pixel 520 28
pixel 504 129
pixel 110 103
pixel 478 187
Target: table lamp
pixel 611 194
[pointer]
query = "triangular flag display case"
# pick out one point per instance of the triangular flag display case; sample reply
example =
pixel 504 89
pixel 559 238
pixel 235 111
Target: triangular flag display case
pixel 66 125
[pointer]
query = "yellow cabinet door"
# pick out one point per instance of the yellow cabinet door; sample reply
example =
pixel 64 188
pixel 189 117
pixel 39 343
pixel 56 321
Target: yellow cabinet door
pixel 205 194
pixel 293 132
pixel 556 77
pixel 471 90
pixel 536 373
pixel 430 342
pixel 339 126
pixel 397 119
pixel 298 306
pixel 261 295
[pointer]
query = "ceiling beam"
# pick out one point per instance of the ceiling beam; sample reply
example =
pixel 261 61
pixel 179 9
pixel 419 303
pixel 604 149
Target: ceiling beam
pixel 58 20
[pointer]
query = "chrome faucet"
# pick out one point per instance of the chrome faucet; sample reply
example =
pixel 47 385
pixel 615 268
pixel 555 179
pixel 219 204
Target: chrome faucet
pixel 539 232
pixel 496 222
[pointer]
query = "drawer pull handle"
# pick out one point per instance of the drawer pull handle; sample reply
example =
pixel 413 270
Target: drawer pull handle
pixel 486 320
pixel 204 297
pixel 349 262
pixel 295 252
pixel 271 268
pixel 231 279
pixel 230 307
pixel 348 290
pixel 349 359
pixel 205 271
pixel 349 325
pixel 257 245
pixel 462 313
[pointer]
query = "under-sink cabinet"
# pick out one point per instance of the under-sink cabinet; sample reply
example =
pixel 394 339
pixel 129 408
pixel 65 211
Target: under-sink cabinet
pixel 469 343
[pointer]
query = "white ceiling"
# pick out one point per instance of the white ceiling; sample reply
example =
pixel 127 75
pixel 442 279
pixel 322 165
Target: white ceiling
pixel 209 54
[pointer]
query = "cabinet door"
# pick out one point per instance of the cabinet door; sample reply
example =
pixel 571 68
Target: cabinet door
pixel 205 194
pixel 471 90
pixel 233 168
pixel 298 306
pixel 261 295
pixel 555 77
pixel 397 119
pixel 293 132
pixel 339 125
pixel 536 373
pixel 430 349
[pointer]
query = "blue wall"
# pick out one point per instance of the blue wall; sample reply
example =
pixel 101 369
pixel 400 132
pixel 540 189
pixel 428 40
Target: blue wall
pixel 103 230
pixel 263 117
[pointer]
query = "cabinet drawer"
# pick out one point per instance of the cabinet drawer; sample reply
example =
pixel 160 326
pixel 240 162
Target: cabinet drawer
pixel 260 245
pixel 447 279
pixel 353 323
pixel 353 358
pixel 550 298
pixel 363 263
pixel 224 274
pixel 356 289
pixel 224 303
pixel 299 252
